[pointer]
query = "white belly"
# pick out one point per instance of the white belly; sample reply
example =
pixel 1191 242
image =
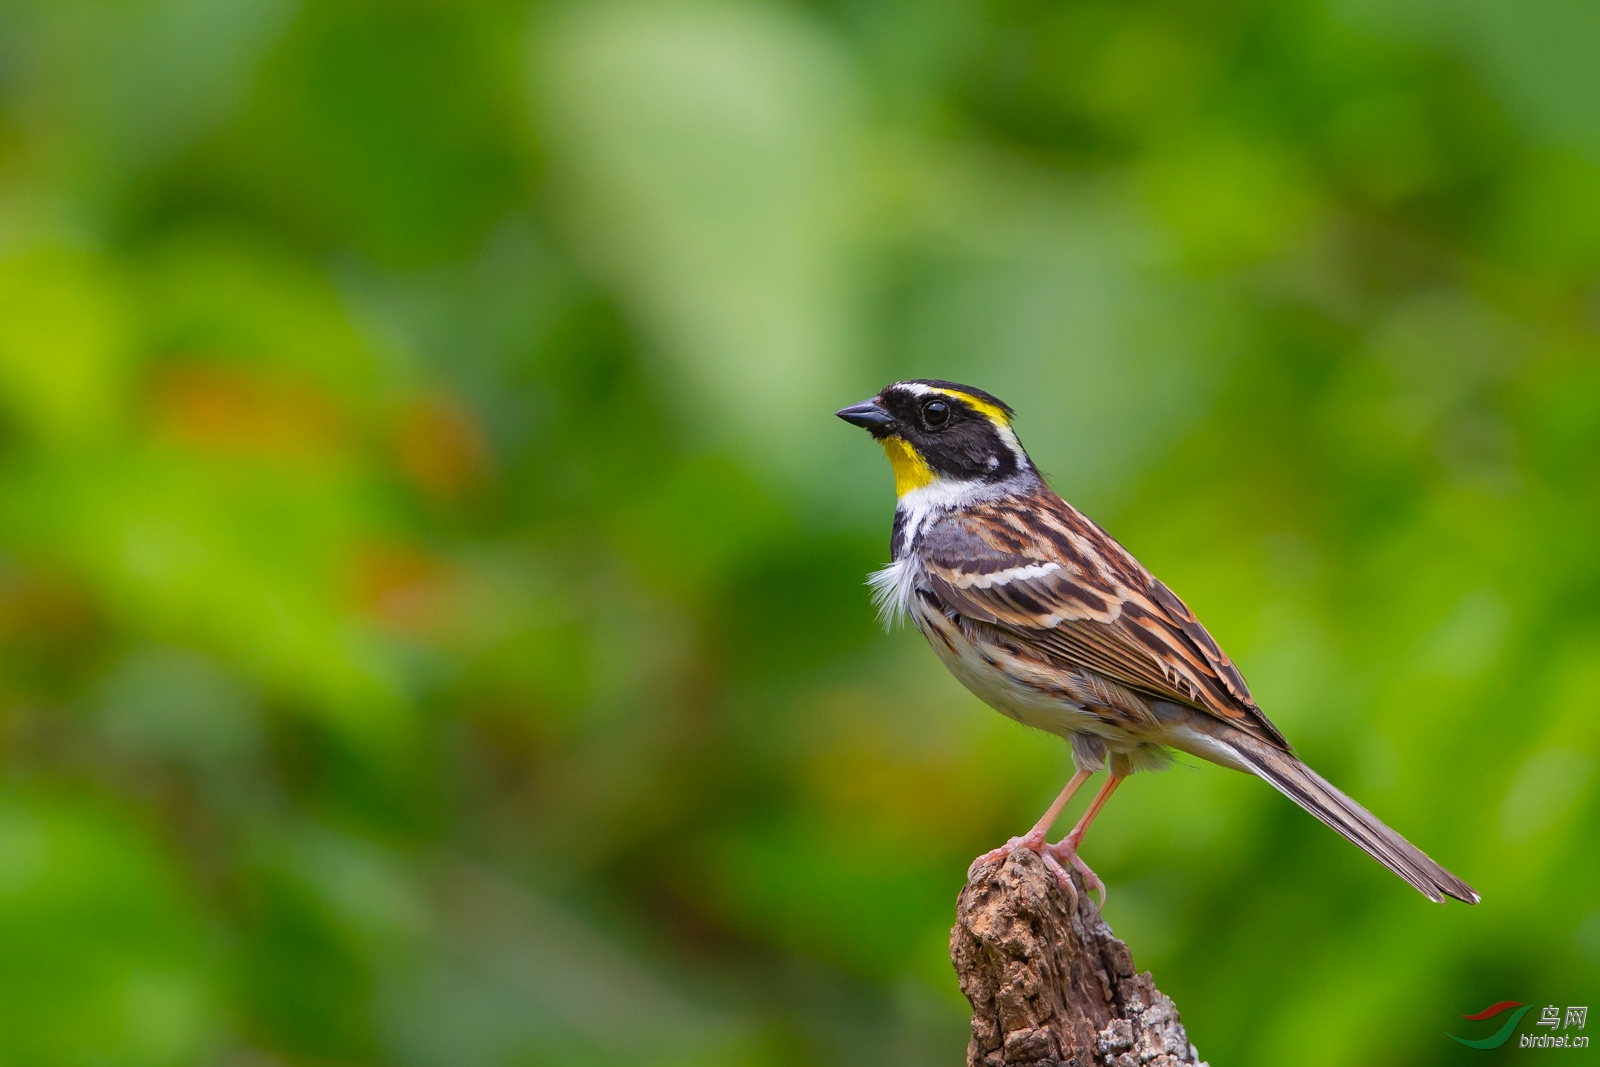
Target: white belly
pixel 1003 683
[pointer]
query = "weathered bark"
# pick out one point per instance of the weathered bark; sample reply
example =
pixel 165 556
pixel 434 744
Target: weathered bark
pixel 1051 986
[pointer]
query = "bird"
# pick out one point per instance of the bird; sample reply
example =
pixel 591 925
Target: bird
pixel 1050 621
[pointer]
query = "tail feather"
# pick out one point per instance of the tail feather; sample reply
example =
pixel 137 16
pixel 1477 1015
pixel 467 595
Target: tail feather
pixel 1314 793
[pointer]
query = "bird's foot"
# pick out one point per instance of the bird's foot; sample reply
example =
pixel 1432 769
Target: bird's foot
pixel 1067 849
pixel 1034 841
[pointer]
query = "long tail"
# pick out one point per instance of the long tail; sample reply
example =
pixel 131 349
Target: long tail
pixel 1312 792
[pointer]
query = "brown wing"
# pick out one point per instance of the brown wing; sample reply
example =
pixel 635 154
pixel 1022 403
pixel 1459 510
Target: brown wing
pixel 1043 571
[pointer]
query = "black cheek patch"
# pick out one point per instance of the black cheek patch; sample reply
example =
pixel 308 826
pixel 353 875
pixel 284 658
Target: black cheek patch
pixel 967 447
pixel 972 449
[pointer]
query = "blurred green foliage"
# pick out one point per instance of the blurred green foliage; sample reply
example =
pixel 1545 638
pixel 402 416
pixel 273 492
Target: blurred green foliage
pixel 431 619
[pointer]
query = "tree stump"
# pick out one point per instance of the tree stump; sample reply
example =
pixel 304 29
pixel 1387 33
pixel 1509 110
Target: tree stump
pixel 1051 986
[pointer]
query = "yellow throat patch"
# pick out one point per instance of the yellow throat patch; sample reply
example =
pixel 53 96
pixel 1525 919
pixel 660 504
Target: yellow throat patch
pixel 911 471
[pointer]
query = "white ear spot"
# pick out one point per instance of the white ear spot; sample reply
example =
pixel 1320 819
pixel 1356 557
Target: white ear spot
pixel 994 463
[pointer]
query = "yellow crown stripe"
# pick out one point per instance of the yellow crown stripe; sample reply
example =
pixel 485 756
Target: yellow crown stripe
pixel 911 471
pixel 994 414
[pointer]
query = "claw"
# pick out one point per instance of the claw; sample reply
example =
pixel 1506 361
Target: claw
pixel 1032 841
pixel 1035 842
pixel 1090 879
pixel 1064 850
pixel 1063 879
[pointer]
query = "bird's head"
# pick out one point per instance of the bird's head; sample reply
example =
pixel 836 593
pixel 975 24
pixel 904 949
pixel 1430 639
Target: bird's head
pixel 940 432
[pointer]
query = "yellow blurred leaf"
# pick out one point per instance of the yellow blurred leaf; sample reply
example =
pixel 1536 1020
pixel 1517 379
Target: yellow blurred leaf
pixel 63 345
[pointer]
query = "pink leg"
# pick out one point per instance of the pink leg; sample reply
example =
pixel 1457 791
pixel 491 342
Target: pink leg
pixel 1034 839
pixel 1067 847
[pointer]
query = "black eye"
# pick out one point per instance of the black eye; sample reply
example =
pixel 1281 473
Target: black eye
pixel 936 413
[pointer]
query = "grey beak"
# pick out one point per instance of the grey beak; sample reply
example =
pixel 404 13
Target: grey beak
pixel 869 415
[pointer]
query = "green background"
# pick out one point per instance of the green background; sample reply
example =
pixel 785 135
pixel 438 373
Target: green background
pixel 432 621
